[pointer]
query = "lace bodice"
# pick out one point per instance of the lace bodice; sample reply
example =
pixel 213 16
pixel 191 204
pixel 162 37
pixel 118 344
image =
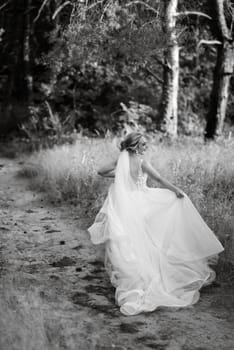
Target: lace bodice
pixel 141 178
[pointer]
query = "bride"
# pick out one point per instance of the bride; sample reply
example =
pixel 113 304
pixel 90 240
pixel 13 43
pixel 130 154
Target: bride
pixel 157 246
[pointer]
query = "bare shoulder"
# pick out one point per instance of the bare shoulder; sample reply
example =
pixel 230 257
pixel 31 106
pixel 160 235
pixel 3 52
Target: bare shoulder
pixel 145 163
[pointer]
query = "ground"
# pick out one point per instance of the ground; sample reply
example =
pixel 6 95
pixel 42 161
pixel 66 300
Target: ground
pixel 55 294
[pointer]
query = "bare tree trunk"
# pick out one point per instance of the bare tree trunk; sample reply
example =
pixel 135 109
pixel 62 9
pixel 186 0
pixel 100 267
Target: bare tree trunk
pixel 27 54
pixel 220 91
pixel 222 74
pixel 171 72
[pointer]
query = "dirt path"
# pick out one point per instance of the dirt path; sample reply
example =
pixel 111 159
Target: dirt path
pixel 54 293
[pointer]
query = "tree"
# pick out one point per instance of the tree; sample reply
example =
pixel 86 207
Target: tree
pixel 170 71
pixel 171 64
pixel 222 28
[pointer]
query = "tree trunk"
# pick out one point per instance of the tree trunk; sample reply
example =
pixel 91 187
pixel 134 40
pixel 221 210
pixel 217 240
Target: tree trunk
pixel 220 91
pixel 222 74
pixel 27 54
pixel 171 72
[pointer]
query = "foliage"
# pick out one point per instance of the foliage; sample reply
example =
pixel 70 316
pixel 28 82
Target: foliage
pixel 137 116
pixel 89 58
pixel 109 57
pixel 44 129
pixel 94 69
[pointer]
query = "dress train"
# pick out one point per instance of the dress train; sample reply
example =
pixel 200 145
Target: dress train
pixel 157 246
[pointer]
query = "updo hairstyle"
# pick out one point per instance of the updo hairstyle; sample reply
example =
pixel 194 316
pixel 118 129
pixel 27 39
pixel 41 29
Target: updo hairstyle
pixel 131 141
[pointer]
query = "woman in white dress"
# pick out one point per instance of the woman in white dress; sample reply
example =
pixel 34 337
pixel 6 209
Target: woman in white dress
pixel 157 246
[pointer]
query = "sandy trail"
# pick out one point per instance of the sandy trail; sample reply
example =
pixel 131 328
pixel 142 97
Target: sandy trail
pixel 54 293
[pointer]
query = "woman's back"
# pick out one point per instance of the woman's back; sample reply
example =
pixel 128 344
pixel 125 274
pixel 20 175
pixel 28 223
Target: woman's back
pixel 134 166
pixel 136 172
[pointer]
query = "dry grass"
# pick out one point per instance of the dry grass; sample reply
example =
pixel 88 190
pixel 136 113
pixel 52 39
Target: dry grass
pixel 204 171
pixel 69 173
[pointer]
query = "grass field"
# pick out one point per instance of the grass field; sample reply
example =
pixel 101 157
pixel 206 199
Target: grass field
pixel 204 171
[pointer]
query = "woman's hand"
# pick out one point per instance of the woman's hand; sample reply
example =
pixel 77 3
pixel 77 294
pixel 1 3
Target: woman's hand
pixel 179 193
pixel 110 173
pixel 149 169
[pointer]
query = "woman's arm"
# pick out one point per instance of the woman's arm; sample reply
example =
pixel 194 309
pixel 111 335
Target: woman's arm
pixel 108 170
pixel 110 173
pixel 149 169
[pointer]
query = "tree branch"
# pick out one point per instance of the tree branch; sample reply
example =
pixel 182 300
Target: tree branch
pixel 148 70
pixel 142 3
pixel 209 42
pixel 93 5
pixel 195 13
pixel 4 5
pixel 159 61
pixel 104 11
pixel 60 9
pixel 150 22
pixel 40 11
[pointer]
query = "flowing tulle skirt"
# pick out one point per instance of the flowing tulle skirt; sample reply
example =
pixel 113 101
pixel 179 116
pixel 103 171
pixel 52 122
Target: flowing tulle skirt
pixel 156 251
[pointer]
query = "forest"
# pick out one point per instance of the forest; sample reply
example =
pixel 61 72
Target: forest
pixel 95 66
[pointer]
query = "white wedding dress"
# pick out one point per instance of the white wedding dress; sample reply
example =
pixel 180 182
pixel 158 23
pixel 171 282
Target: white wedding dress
pixel 157 246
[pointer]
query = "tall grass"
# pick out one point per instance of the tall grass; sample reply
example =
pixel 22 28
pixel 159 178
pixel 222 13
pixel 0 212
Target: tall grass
pixel 204 171
pixel 69 173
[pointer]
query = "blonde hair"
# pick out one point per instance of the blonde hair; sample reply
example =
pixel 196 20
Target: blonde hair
pixel 131 141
